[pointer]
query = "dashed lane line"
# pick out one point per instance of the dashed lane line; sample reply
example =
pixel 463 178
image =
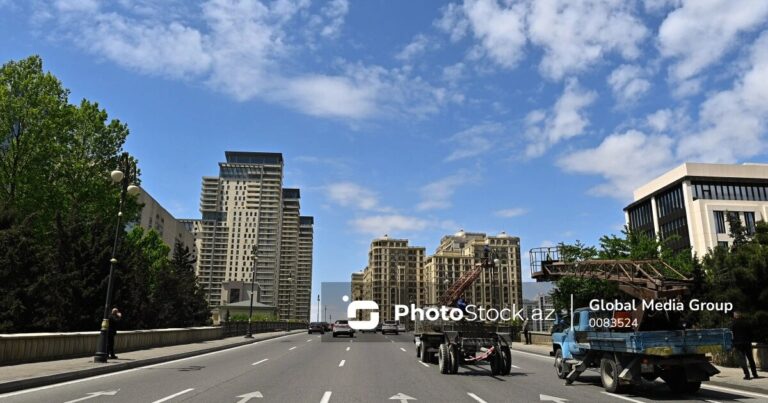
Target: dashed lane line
pixel 326 397
pixel 403 349
pixel 622 397
pixel 341 364
pixel 476 397
pixel 348 348
pixel 174 395
pixel 259 362
pixel 292 348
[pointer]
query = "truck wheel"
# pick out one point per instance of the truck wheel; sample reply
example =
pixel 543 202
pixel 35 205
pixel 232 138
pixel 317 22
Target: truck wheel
pixel 444 359
pixel 496 363
pixel 609 375
pixel 561 367
pixel 453 353
pixel 418 351
pixel 425 356
pixel 506 355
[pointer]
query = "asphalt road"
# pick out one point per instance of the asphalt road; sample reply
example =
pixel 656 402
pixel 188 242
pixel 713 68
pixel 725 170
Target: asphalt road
pixel 368 368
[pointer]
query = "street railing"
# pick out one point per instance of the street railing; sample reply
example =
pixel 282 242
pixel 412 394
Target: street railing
pixel 240 328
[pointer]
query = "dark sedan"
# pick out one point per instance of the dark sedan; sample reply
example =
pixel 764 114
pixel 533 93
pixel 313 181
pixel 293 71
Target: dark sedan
pixel 316 327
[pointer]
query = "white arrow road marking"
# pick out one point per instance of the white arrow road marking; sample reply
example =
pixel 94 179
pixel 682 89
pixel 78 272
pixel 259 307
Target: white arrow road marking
pixel 259 362
pixel 402 397
pixel 402 349
pixel 622 397
pixel 545 398
pixel 474 396
pixel 174 395
pixel 348 348
pixel 326 397
pixel 248 396
pixel 341 364
pixel 291 348
pixel 424 364
pixel 94 394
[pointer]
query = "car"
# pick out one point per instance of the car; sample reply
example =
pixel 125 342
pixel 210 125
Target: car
pixel 390 326
pixel 328 326
pixel 316 327
pixel 342 327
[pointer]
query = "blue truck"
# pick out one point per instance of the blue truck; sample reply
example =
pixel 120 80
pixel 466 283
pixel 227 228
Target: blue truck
pixel 625 357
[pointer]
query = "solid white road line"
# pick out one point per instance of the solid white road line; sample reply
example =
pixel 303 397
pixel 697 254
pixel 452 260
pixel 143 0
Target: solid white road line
pixel 326 397
pixel 477 398
pixel 341 364
pixel 722 389
pixel 348 348
pixel 622 397
pixel 25 391
pixel 543 357
pixel 402 349
pixel 291 348
pixel 424 364
pixel 259 362
pixel 173 395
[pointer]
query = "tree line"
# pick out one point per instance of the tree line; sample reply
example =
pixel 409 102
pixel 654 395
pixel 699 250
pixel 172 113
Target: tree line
pixel 737 274
pixel 58 209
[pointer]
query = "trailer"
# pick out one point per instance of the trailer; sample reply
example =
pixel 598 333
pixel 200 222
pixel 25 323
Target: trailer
pixel 452 344
pixel 629 347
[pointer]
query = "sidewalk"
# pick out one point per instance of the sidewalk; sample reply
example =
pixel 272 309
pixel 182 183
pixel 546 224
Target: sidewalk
pixel 24 376
pixel 728 377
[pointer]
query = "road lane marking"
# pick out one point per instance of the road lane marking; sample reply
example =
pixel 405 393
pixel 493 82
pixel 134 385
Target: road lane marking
pixel 622 397
pixel 402 349
pixel 545 357
pixel 94 394
pixel 712 401
pixel 259 362
pixel 309 340
pixel 291 348
pixel 722 389
pixel 424 364
pixel 56 385
pixel 174 395
pixel 476 397
pixel 348 348
pixel 341 364
pixel 248 396
pixel 326 397
pixel 514 366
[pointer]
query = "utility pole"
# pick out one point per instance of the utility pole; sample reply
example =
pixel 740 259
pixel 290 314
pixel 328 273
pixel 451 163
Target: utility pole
pixel 318 307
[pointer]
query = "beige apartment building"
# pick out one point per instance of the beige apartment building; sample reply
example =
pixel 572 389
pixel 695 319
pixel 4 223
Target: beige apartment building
pixel 357 291
pixel 155 217
pixel 249 220
pixel 457 254
pixel 690 204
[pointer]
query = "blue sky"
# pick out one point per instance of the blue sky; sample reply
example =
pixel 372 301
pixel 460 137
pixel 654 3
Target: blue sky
pixel 417 118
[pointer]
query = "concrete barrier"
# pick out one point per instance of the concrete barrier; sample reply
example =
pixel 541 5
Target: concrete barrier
pixel 544 338
pixel 31 347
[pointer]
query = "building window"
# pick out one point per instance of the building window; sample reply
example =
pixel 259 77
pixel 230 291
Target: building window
pixel 749 221
pixel 720 222
pixel 722 244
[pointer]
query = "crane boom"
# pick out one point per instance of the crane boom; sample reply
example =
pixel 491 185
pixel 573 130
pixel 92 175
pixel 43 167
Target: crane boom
pixel 454 292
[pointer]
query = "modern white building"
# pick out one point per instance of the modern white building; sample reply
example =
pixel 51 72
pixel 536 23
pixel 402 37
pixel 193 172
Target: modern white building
pixel 693 201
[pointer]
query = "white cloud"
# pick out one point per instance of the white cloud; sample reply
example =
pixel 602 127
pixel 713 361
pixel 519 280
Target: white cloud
pixel 733 123
pixel 578 34
pixel 247 49
pixel 511 212
pixel 499 29
pixel 354 195
pixel 700 32
pixel 474 141
pixel 416 47
pixel 626 160
pixel 380 225
pixel 628 83
pixel 564 121
pixel 437 194
pixel 669 120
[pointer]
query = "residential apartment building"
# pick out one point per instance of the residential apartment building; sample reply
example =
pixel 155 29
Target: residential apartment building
pixel 304 268
pixel 155 217
pixel 500 286
pixel 391 275
pixel 249 222
pixel 357 286
pixel 689 205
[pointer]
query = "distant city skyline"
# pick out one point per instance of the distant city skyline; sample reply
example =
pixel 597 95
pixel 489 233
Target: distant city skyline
pixel 535 118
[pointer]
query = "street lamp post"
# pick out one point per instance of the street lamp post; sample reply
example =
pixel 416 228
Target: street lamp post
pixel 318 307
pixel 124 175
pixel 255 251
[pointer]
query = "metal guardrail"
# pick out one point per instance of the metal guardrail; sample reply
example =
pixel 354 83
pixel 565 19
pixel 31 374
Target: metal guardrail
pixel 231 329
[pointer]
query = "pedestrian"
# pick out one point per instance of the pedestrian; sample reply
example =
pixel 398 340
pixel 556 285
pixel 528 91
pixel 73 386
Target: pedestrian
pixel 114 318
pixel 742 343
pixel 462 303
pixel 527 331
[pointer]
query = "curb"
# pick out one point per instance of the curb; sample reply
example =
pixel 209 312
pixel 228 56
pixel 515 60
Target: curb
pixel 714 383
pixel 29 383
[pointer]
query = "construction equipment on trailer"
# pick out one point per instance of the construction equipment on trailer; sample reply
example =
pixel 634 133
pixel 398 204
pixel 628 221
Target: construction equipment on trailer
pixel 463 342
pixel 629 347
